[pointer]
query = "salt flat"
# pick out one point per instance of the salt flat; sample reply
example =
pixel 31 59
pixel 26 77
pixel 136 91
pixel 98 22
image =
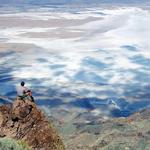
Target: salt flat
pixel 101 53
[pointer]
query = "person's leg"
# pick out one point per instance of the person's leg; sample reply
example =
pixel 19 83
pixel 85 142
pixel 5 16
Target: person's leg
pixel 32 99
pixel 21 97
pixel 29 98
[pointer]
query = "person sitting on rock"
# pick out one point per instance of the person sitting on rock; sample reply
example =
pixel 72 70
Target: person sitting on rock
pixel 24 93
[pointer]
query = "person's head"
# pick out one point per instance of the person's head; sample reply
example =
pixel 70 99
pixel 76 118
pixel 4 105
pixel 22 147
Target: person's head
pixel 22 83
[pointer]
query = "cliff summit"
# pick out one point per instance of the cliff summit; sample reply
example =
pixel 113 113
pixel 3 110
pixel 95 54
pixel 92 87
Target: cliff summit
pixel 23 121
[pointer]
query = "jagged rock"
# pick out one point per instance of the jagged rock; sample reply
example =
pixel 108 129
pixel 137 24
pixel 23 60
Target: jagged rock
pixel 24 121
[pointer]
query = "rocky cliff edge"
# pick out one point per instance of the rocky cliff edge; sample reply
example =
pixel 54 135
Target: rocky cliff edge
pixel 24 121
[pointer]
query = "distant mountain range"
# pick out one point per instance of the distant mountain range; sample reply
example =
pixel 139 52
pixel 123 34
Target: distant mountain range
pixel 63 2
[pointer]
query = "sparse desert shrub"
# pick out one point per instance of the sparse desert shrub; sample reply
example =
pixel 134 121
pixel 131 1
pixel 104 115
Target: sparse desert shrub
pixel 11 144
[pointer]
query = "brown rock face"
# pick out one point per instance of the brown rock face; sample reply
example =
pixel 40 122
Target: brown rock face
pixel 24 121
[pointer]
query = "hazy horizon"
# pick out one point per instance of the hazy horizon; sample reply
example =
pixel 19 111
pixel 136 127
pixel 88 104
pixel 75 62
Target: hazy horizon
pixel 74 2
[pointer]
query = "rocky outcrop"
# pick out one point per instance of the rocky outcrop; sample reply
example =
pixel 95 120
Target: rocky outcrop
pixel 24 121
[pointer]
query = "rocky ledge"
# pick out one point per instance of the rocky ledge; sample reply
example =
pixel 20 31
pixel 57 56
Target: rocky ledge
pixel 23 121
